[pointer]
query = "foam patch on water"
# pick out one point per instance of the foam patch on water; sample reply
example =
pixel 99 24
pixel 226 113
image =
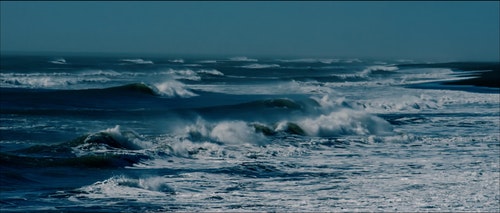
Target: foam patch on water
pixel 345 122
pixel 126 188
pixel 48 80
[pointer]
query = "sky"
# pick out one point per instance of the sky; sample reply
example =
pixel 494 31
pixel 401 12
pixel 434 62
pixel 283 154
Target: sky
pixel 465 30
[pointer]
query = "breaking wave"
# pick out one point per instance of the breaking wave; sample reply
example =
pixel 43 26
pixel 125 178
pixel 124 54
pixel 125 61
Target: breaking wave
pixel 378 68
pixel 169 88
pixel 172 88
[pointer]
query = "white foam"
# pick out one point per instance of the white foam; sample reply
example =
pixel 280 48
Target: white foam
pixel 228 132
pixel 235 132
pixel 291 87
pixel 128 137
pixel 173 88
pixel 123 187
pixel 110 73
pixel 405 103
pixel 345 122
pixel 59 61
pixel 46 80
pixel 370 69
pixel 184 74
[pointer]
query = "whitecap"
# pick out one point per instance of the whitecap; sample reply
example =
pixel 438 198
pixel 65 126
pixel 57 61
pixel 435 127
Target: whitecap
pixel 59 61
pixel 173 88
pixel 227 132
pixel 345 122
pixel 186 74
pixel 122 187
pixel 371 69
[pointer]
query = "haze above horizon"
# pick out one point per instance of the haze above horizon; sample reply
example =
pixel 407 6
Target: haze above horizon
pixel 400 30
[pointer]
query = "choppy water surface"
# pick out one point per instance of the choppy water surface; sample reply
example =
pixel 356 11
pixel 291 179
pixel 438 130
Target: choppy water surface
pixel 244 134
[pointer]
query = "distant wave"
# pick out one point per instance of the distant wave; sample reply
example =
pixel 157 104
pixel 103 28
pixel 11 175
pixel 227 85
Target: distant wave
pixel 47 80
pixel 353 60
pixel 208 62
pixel 179 60
pixel 59 61
pixel 320 60
pixel 170 88
pixel 137 61
pixel 291 87
pixel 110 73
pixel 378 69
pixel 186 74
pixel 211 72
pixel 260 66
pixel 193 75
pixel 243 58
pixel 310 60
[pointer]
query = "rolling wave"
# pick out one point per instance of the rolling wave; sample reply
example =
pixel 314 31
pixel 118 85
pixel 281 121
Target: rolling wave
pixel 101 150
pixel 169 88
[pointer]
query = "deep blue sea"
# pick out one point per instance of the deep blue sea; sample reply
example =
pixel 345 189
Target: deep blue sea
pixel 240 134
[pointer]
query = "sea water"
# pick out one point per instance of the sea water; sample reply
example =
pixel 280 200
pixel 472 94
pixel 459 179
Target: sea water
pixel 101 134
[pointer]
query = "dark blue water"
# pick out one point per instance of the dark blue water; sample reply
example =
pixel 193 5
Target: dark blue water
pixel 101 134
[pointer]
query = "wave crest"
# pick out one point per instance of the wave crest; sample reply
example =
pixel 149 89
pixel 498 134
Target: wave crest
pixel 59 61
pixel 172 88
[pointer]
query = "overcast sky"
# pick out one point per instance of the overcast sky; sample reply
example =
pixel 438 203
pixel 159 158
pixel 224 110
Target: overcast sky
pixel 410 30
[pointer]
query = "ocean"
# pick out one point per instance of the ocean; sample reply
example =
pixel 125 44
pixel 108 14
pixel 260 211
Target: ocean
pixel 242 134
